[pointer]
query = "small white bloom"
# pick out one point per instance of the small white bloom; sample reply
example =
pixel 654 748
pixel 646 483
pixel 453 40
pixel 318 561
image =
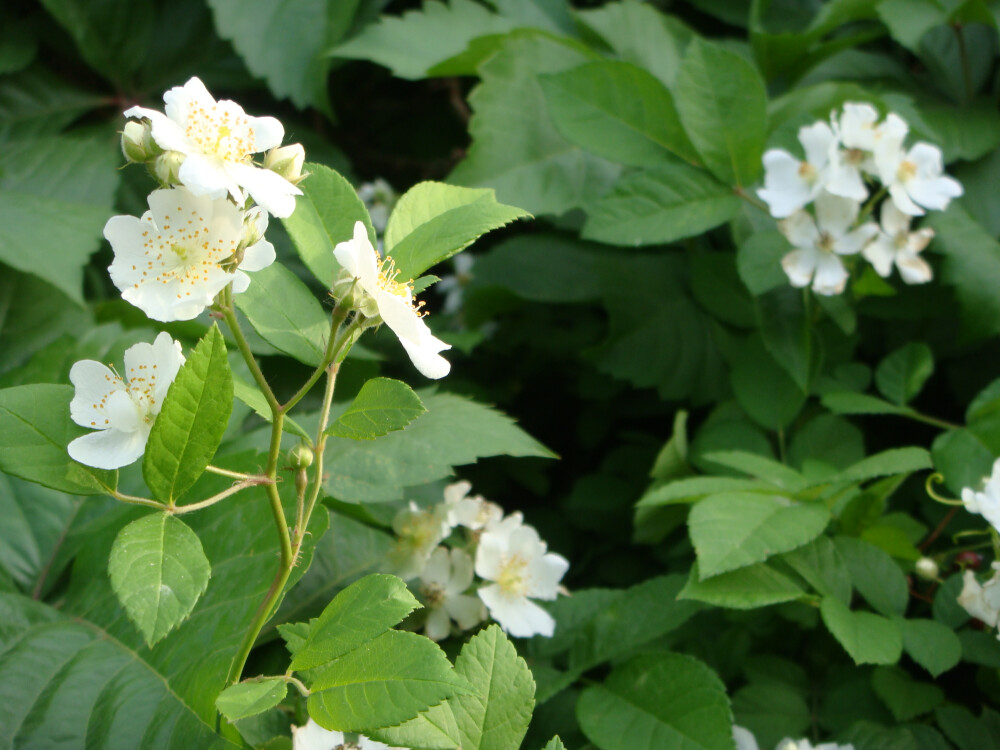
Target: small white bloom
pixel 857 127
pixel 122 410
pixel 986 502
pixel 182 252
pixel 379 198
pixel 744 739
pixel 914 178
pixel 217 140
pixel 789 744
pixel 512 555
pixel 443 583
pixel 820 243
pixel 473 512
pixel 393 302
pixel 895 243
pixel 312 736
pixel 856 132
pixel 790 184
pixel 453 287
pixel 981 601
pixel 418 531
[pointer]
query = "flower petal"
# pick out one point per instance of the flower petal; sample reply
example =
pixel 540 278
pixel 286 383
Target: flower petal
pixel 831 276
pixel 546 573
pixel 438 625
pixel 835 214
pixel 903 202
pixel 799 266
pixel 166 132
pixel 94 384
pixel 271 191
pixel 467 611
pixel 881 253
pixel 913 269
pixel 800 229
pixel 267 133
pixel 816 140
pixel 438 568
pixel 258 256
pixel 108 449
pixel 519 616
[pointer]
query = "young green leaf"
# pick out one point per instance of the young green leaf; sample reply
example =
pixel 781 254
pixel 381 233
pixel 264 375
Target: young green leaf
pixel 250 698
pixel 902 374
pixel 495 715
pixel 383 405
pixel 158 572
pixel 252 397
pixel 359 613
pixel 432 221
pixel 433 729
pixel 887 463
pixel 867 638
pixel 931 644
pixel 191 422
pixel 747 588
pixel 874 574
pixel 554 744
pixel 845 402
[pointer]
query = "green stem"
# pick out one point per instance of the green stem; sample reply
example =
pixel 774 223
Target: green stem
pixel 867 209
pixel 133 500
pixel 333 345
pixel 234 326
pixel 753 200
pixel 963 55
pixel 251 482
pixel 927 419
pixel 929 489
pixel 299 685
pixel 227 473
pixel 302 523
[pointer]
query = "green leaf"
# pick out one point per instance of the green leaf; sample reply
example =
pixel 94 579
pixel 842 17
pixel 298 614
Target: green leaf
pixel 909 20
pixel 772 711
pixel 618 111
pixel 514 150
pixel 747 588
pixel 192 421
pixel 888 463
pixel 902 374
pixel 658 701
pixel 36 102
pixel 252 397
pixel 78 686
pixel 692 489
pixel 904 696
pixel 35 428
pixel 454 431
pixel 324 216
pixel 282 42
pixel 286 314
pixel 158 572
pixel 723 105
pixel 843 402
pixel 383 405
pixel 495 715
pixel 762 387
pixel 967 731
pixel 867 638
pixel 251 698
pixel 554 744
pixel 821 565
pixel 433 729
pixel 432 221
pixel 659 205
pixel 931 644
pixel 761 467
pixel 734 530
pixel 359 613
pixel 874 574
pixel 758 260
pixel 386 681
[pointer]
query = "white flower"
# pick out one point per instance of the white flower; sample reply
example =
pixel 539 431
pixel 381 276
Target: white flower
pixel 473 512
pixel 443 583
pixel 981 602
pixel 418 531
pixel 820 243
pixel 217 140
pixel 744 739
pixel 453 287
pixel 788 744
pixel 790 184
pixel 986 502
pixel 857 127
pixel 312 736
pixel 122 410
pixel 515 558
pixel 393 302
pixel 895 243
pixel 379 198
pixel 914 178
pixel 856 132
pixel 174 260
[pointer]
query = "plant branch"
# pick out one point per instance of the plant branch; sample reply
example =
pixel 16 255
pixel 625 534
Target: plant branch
pixel 333 345
pixel 227 473
pixel 133 500
pixel 229 314
pixel 753 200
pixel 249 482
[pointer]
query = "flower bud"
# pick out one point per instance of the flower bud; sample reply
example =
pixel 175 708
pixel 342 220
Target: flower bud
pixel 287 161
pixel 300 457
pixel 349 294
pixel 926 568
pixel 167 166
pixel 137 142
pixel 254 226
pixel 969 559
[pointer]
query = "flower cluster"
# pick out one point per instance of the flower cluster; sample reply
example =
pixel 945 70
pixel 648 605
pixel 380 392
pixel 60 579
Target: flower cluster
pixel 198 237
pixel 844 160
pixel 513 563
pixel 745 740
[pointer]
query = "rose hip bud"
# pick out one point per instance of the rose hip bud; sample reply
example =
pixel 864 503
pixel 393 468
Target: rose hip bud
pixel 969 559
pixel 926 569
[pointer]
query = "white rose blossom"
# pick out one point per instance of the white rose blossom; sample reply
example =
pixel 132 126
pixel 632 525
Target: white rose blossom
pixel 512 555
pixel 986 502
pixel 791 184
pixel 913 178
pixel 896 244
pixel 445 579
pixel 473 512
pixel 789 744
pixel 391 300
pixel 418 532
pixel 217 140
pixel 981 601
pixel 819 243
pixel 744 739
pixel 121 409
pixel 851 152
pixel 311 736
pixel 182 252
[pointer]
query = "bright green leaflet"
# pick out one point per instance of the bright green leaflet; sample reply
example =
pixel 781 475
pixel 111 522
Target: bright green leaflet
pixel 383 405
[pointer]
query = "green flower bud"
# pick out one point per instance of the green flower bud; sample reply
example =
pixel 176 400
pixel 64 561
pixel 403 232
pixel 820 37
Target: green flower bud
pixel 300 457
pixel 348 293
pixel 137 142
pixel 167 166
pixel 287 161
pixel 927 569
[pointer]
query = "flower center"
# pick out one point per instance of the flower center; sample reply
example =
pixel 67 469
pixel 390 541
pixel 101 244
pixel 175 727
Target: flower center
pixel 513 577
pixel 433 594
pixel 854 156
pixel 807 172
pixel 220 131
pixel 825 243
pixel 907 171
pixel 902 239
pixel 387 274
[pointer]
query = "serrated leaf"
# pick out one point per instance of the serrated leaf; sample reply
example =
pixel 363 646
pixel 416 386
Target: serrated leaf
pixel 554 744
pixel 433 729
pixel 158 572
pixel 692 489
pixel 758 261
pixel 432 221
pixel 286 314
pixel 659 205
pixel 617 110
pixel 887 463
pixel 747 588
pixel 859 403
pixel 251 698
pixel 902 374
pixel 761 467
pixel 191 422
pixel 495 715
pixel 658 702
pixel 383 405
pixel 867 638
pixel 874 574
pixel 324 216
pixel 931 644
pixel 821 565
pixel 359 613
pixel 904 696
pixel 734 530
pixel 385 681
